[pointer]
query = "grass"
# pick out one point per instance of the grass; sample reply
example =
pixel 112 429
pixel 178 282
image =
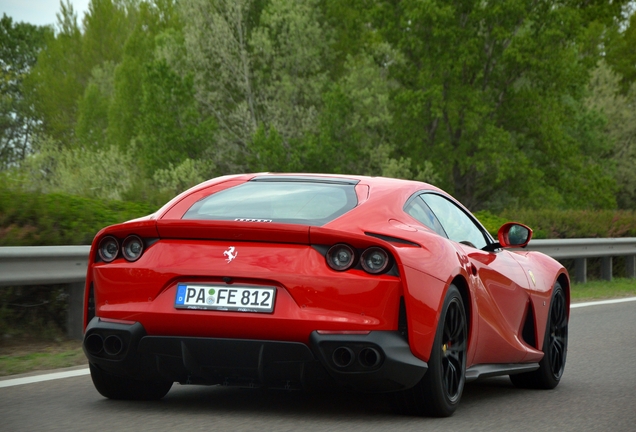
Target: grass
pixel 32 355
pixel 26 354
pixel 598 290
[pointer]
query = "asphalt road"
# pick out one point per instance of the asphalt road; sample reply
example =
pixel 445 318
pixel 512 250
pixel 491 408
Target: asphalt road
pixel 597 393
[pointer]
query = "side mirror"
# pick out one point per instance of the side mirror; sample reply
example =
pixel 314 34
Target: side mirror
pixel 514 235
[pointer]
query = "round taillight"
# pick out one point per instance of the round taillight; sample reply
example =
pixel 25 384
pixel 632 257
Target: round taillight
pixel 374 260
pixel 108 248
pixel 132 248
pixel 340 257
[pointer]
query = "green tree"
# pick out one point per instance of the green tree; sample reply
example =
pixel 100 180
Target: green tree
pixel 91 130
pixel 618 112
pixel 217 35
pixel 19 47
pixel 621 54
pixel 170 128
pixel 59 77
pixel 356 121
pixel 260 70
pixel 487 92
pixel 138 50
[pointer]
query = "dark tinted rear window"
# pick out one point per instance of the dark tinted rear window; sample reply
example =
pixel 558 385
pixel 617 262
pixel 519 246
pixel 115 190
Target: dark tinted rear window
pixel 304 203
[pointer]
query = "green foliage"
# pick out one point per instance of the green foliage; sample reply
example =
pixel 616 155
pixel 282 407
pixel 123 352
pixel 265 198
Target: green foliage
pixel 490 101
pixel 548 223
pixel 40 309
pixel 170 127
pixel 491 222
pixel 175 179
pixel 268 152
pixel 616 110
pixel 19 47
pixel 491 93
pixel 92 122
pixel 59 77
pixel 34 218
pixel 621 55
pixel 106 173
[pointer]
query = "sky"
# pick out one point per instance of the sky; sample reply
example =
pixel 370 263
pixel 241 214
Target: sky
pixel 39 12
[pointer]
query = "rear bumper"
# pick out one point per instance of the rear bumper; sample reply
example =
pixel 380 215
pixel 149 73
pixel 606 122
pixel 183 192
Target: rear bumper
pixel 378 361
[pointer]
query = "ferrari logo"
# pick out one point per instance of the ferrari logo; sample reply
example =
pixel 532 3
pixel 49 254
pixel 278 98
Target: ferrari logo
pixel 230 254
pixel 532 277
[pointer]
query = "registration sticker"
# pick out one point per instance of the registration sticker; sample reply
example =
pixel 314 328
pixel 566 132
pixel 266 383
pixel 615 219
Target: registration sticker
pixel 235 298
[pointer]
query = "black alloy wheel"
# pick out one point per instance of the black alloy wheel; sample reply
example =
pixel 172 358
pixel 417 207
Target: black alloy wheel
pixel 555 347
pixel 558 338
pixel 454 350
pixel 439 391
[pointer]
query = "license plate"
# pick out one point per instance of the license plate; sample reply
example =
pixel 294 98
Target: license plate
pixel 225 298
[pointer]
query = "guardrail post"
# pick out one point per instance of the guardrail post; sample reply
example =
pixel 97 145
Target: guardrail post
pixel 630 266
pixel 75 312
pixel 580 270
pixel 606 268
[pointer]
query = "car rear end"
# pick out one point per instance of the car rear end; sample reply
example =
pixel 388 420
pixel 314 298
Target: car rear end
pixel 244 283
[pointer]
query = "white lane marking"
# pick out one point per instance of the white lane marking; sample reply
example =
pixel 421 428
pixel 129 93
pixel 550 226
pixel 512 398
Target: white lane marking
pixel 602 302
pixel 40 378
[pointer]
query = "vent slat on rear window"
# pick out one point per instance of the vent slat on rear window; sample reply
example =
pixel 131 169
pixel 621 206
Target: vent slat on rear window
pixel 306 203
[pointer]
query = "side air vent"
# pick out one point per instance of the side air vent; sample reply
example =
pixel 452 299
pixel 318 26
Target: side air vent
pixel 528 333
pixel 392 239
pixel 402 322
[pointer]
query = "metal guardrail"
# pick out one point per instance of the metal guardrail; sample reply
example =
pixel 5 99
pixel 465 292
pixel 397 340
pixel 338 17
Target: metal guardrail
pixel 47 265
pixel 585 248
pixel 43 265
pixel 582 249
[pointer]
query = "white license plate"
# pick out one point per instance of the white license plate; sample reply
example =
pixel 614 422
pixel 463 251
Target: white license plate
pixel 225 298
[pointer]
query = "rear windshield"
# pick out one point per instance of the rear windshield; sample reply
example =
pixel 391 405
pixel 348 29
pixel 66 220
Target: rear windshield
pixel 304 203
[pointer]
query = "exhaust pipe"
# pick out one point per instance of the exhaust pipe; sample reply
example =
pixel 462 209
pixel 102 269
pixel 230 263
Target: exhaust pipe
pixel 113 345
pixel 369 357
pixel 343 357
pixel 94 344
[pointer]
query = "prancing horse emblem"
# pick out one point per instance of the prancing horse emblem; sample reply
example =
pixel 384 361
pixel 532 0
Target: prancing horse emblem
pixel 230 253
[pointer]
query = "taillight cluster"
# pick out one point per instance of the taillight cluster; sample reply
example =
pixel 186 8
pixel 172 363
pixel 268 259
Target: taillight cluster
pixel 131 248
pixel 374 260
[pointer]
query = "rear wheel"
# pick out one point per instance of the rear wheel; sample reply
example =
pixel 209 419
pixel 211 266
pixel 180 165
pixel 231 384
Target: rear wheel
pixel 439 391
pixel 555 347
pixel 116 387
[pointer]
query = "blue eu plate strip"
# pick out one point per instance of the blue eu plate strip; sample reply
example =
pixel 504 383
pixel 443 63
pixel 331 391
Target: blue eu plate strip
pixel 181 294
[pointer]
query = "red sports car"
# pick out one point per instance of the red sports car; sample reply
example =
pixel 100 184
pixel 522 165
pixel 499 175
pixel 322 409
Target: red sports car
pixel 309 281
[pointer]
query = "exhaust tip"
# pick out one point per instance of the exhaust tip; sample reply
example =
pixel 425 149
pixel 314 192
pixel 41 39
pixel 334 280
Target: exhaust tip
pixel 94 344
pixel 113 345
pixel 343 357
pixel 369 357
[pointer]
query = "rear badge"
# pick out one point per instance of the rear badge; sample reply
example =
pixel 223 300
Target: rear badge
pixel 230 253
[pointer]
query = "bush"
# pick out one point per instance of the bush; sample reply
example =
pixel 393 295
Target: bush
pixel 565 223
pixel 33 311
pixel 576 223
pixel 491 222
pixel 36 219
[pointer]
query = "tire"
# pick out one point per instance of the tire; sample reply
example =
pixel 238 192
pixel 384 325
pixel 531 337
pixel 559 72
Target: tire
pixel 116 387
pixel 439 391
pixel 555 347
